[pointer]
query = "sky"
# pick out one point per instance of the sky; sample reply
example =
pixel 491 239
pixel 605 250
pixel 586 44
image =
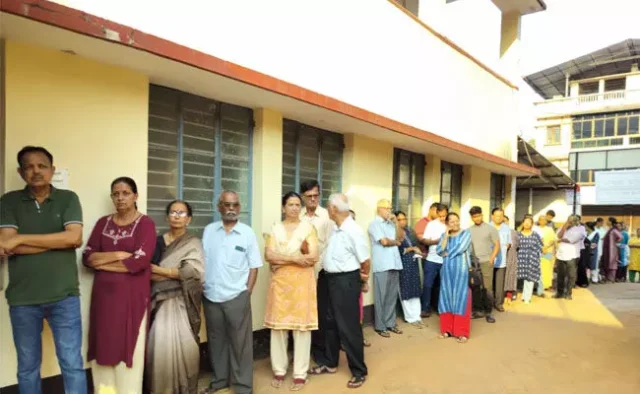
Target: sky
pixel 566 30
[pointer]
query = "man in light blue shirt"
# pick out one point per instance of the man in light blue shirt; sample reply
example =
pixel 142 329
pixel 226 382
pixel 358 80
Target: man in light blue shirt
pixel 232 259
pixel 386 264
pixel 500 266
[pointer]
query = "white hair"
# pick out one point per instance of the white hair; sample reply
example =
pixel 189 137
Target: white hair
pixel 340 201
pixel 227 192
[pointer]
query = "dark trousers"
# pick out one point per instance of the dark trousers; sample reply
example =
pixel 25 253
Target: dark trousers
pixel 317 336
pixel 498 285
pixel 230 335
pixel 431 273
pixel 341 316
pixel 567 272
pixel 487 293
pixel 621 275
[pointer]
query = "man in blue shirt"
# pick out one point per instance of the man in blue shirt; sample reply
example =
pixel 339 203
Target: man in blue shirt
pixel 232 259
pixel 386 269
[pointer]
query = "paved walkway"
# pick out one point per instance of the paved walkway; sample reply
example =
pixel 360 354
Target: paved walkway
pixel 588 345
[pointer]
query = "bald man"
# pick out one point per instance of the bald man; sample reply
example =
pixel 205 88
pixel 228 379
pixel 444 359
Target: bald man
pixel 386 264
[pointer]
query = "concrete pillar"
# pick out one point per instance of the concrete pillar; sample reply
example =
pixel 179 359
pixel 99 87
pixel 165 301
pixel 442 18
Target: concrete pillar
pixel 601 86
pixel 476 190
pixel 367 176
pixel 510 199
pixel 510 44
pixel 267 186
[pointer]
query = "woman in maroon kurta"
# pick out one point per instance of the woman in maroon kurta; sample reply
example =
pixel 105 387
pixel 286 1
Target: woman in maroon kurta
pixel 610 253
pixel 120 250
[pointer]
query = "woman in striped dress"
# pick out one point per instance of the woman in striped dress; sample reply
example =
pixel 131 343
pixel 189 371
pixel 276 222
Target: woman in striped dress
pixel 455 298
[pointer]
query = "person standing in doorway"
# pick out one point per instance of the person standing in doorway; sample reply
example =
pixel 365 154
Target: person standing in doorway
pixel 485 242
pixel 40 230
pixel 232 259
pixel 433 264
pixel 570 236
pixel 315 214
pixel 345 263
pixel 500 267
pixel 386 269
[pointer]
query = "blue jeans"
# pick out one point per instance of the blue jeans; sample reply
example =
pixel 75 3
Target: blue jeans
pixel 66 324
pixel 431 271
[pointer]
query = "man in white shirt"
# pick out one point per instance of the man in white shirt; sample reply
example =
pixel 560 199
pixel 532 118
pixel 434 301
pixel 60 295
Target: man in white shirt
pixel 601 229
pixel 570 238
pixel 319 217
pixel 345 264
pixel 433 263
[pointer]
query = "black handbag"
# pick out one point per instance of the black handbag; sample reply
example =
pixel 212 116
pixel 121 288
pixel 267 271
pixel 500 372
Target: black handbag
pixel 475 275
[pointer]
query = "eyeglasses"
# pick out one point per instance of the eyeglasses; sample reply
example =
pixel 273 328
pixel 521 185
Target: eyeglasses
pixel 179 214
pixel 311 196
pixel 230 204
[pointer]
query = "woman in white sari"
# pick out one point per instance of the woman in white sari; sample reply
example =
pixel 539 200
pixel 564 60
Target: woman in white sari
pixel 173 350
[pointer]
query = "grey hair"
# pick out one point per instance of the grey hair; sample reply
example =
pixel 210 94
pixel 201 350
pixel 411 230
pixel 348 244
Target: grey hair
pixel 340 201
pixel 227 192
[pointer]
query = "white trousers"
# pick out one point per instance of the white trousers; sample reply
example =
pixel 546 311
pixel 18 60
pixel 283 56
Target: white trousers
pixel 527 290
pixel 120 379
pixel 411 309
pixel 301 352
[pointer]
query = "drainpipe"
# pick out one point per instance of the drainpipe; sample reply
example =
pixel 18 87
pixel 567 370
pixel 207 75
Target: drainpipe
pixel 530 201
pixel 566 85
pixel 575 187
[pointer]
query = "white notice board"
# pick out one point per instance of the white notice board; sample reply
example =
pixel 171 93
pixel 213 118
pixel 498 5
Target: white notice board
pixel 618 187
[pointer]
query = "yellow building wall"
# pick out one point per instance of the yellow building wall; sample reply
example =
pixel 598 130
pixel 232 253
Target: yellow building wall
pixel 476 190
pixel 267 161
pixel 93 119
pixel 367 176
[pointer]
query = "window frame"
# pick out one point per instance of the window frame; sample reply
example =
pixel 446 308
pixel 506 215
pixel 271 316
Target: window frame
pixel 218 159
pixel 556 130
pixel 321 135
pixel 416 160
pixel 494 198
pixel 455 170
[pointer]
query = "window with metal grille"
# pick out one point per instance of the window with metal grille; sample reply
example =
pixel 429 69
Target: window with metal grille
pixel 497 191
pixel 553 135
pixel 311 153
pixel 408 183
pixel 451 186
pixel 198 147
pixel 611 85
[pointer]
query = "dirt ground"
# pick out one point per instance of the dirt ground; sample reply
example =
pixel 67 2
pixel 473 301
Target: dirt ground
pixel 588 345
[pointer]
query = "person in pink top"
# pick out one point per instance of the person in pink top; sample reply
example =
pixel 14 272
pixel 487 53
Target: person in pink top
pixel 120 250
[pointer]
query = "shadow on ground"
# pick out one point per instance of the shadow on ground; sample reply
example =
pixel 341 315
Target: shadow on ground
pixel 588 345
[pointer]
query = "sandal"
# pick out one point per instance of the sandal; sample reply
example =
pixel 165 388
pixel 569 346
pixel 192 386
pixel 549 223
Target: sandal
pixel 366 343
pixel 444 336
pixel 395 330
pixel 321 370
pixel 277 381
pixel 298 384
pixel 384 334
pixel 418 325
pixel 355 382
pixel 463 339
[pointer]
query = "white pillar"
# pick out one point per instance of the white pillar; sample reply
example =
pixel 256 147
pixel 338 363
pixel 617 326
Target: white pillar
pixel 510 45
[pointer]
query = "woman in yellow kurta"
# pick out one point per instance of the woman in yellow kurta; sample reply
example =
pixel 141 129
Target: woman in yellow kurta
pixel 634 259
pixel 547 259
pixel 292 251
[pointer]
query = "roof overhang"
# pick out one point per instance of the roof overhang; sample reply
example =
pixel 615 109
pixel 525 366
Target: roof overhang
pixel 522 7
pixel 169 64
pixel 614 59
pixel 551 177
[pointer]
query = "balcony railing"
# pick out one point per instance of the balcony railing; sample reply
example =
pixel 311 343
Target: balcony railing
pixel 589 103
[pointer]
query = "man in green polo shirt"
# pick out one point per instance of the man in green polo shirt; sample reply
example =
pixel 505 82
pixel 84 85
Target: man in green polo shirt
pixel 40 229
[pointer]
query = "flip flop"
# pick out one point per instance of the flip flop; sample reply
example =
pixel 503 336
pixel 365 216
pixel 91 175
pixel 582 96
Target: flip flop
pixel 355 382
pixel 298 384
pixel 463 340
pixel 277 381
pixel 321 370
pixel 384 334
pixel 395 330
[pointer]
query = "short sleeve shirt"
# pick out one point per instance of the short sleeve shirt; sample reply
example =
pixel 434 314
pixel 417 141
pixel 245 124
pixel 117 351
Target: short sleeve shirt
pixel 483 238
pixel 228 259
pixel 347 248
pixel 48 276
pixel 435 229
pixel 384 258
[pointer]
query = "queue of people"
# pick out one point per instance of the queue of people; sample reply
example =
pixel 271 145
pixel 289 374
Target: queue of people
pixel 149 289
